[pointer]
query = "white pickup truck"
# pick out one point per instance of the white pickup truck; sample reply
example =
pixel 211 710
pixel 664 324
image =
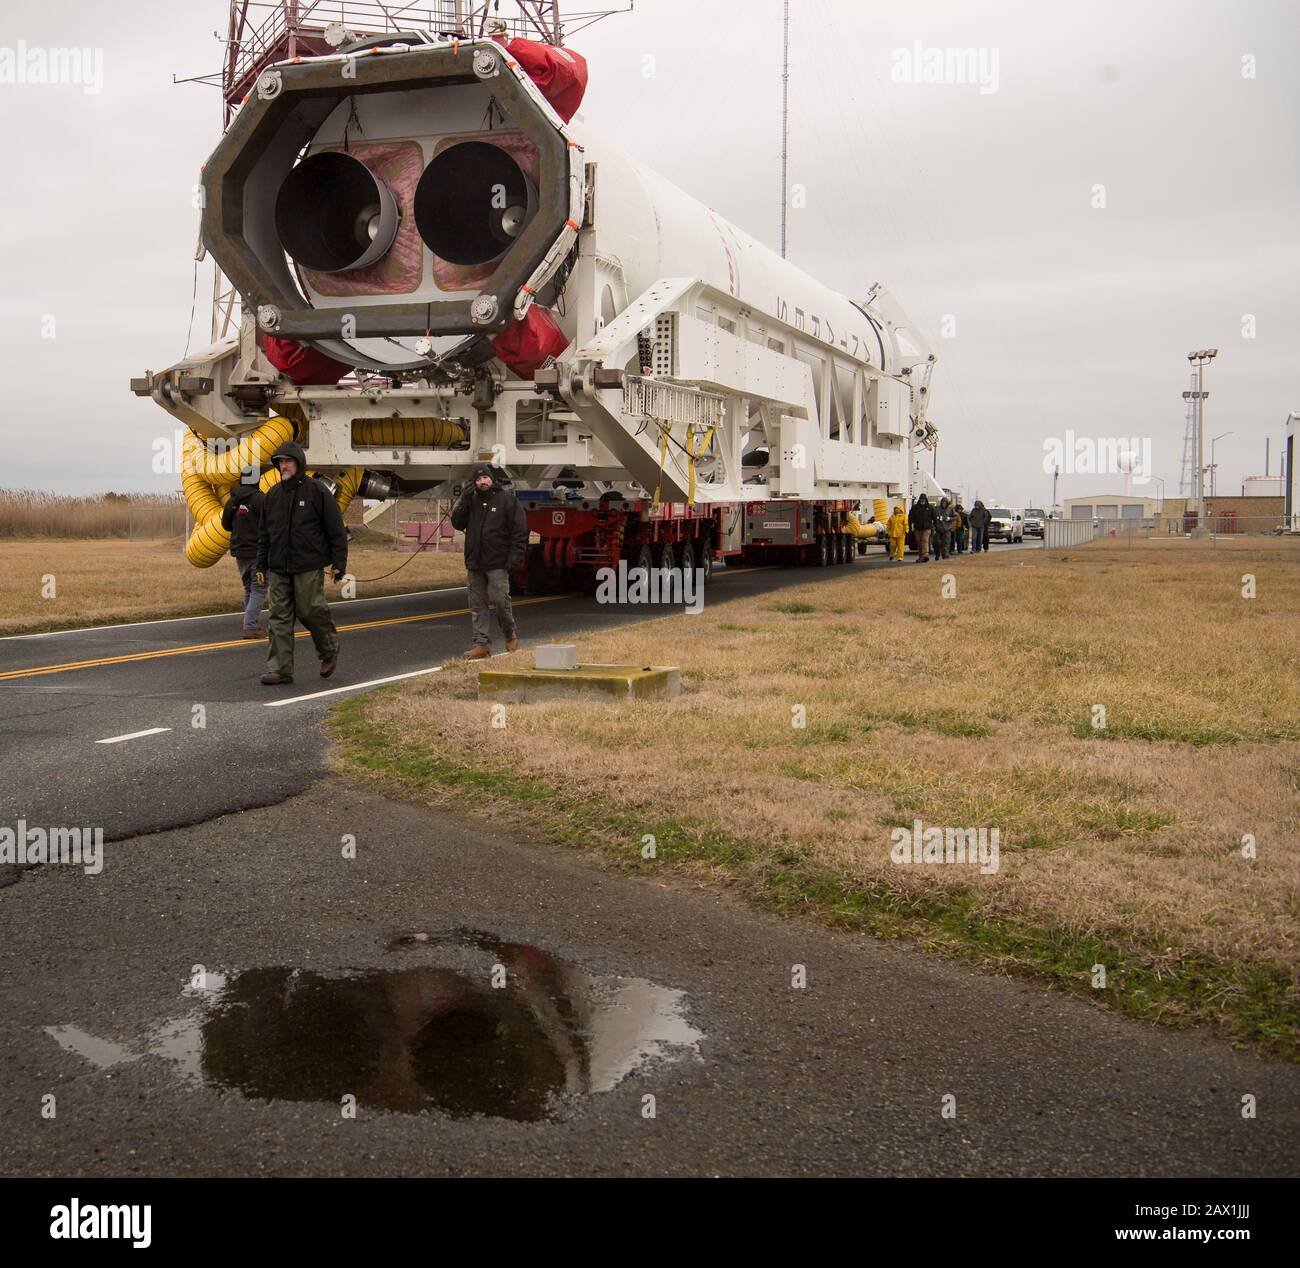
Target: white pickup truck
pixel 1006 525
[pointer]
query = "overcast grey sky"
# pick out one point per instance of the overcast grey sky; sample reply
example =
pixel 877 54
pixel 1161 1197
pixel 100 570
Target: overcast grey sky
pixel 971 205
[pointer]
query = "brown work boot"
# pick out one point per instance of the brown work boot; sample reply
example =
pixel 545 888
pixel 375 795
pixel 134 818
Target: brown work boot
pixel 512 642
pixel 276 680
pixel 328 665
pixel 477 652
pixel 255 633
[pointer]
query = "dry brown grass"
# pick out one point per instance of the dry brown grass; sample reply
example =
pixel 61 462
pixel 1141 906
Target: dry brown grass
pixel 40 513
pixel 104 582
pixel 969 711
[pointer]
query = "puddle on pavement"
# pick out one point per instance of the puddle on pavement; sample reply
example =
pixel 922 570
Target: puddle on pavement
pixel 434 1033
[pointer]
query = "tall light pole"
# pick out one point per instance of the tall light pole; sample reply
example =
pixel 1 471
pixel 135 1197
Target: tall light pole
pixel 1160 505
pixel 785 120
pixel 1199 361
pixel 1214 466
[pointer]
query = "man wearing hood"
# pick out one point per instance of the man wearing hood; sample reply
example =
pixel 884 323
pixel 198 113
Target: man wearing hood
pixel 496 536
pixel 241 517
pixel 302 533
pixel 922 521
pixel 979 528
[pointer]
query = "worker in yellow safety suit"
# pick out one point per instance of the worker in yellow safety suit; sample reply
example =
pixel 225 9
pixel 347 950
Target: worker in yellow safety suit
pixel 896 527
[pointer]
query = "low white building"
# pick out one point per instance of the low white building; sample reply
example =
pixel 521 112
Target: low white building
pixel 1109 506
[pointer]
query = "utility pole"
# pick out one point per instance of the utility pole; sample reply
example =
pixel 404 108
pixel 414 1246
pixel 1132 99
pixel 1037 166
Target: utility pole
pixel 1056 475
pixel 785 121
pixel 1199 361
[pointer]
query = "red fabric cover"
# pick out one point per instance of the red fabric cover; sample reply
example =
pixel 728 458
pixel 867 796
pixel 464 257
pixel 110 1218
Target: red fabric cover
pixel 526 343
pixel 560 73
pixel 302 364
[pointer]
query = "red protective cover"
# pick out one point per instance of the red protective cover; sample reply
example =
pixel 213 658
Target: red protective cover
pixel 560 73
pixel 526 343
pixel 303 365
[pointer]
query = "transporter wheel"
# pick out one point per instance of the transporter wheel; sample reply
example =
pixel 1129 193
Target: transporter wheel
pixel 704 559
pixel 668 556
pixel 645 558
pixel 823 550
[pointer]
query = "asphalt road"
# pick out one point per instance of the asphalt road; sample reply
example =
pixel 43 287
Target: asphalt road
pixel 253 748
pixel 847 1075
pixel 242 871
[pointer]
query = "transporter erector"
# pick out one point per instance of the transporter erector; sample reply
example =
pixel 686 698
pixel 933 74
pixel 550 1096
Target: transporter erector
pixel 436 265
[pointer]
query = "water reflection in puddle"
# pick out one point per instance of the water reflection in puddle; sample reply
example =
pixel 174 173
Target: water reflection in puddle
pixel 467 1025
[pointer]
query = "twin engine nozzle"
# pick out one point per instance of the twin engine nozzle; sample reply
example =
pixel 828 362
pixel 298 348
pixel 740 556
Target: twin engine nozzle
pixel 334 214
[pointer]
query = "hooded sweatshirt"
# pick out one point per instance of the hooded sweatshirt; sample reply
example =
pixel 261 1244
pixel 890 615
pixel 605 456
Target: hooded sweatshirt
pixel 302 526
pixel 241 517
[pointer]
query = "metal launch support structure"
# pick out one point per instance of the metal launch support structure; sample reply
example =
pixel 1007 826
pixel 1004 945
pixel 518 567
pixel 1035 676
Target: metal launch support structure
pixel 437 266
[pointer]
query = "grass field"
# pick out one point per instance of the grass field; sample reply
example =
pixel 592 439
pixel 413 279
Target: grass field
pixel 100 582
pixel 1121 846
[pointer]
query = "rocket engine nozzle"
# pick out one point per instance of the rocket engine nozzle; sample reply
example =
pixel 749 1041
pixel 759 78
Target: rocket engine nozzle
pixel 333 213
pixel 472 202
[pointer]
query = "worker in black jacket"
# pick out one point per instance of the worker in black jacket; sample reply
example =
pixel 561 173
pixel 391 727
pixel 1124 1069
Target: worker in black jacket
pixel 241 517
pixel 922 521
pixel 302 533
pixel 496 536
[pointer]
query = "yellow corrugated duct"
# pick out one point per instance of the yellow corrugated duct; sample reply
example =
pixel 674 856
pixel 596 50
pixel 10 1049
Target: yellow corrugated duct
pixel 880 508
pixel 253 451
pixel 855 528
pixel 401 433
pixel 348 481
pixel 206 479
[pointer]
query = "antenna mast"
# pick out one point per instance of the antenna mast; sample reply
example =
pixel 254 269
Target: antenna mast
pixel 785 121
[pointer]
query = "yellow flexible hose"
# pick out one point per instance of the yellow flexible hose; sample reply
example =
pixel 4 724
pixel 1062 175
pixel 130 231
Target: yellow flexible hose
pixel 252 451
pixel 206 481
pixel 401 433
pixel 855 528
pixel 880 508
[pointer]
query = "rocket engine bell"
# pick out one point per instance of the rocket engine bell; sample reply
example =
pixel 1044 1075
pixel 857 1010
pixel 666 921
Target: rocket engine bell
pixel 333 214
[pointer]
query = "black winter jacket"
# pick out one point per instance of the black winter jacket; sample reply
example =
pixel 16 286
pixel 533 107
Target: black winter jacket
pixel 979 516
pixel 495 527
pixel 922 516
pixel 302 526
pixel 241 517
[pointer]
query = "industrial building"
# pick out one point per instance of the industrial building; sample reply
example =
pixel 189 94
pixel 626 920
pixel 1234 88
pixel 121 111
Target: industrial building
pixel 1109 506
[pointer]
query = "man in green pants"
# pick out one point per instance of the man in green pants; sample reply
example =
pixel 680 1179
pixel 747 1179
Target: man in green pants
pixel 302 533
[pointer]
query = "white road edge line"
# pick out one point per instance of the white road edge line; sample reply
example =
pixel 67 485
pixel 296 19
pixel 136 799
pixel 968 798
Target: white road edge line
pixel 135 735
pixel 352 686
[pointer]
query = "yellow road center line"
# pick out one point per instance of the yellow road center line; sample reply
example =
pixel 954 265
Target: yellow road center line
pixel 35 670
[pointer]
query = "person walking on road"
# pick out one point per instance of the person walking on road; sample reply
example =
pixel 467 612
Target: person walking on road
pixel 496 536
pixel 979 527
pixel 960 528
pixel 896 528
pixel 922 520
pixel 302 533
pixel 241 517
pixel 943 520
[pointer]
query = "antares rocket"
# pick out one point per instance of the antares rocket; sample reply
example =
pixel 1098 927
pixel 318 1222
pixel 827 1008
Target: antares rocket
pixel 437 267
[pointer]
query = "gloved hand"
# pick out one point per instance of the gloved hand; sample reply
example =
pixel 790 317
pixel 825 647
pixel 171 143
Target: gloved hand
pixel 513 562
pixel 339 574
pixel 261 579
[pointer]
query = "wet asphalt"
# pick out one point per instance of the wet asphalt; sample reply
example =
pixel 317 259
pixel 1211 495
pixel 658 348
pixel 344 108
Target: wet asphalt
pixel 226 858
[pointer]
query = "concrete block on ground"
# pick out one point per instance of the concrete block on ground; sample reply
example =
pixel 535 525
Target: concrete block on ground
pixel 556 656
pixel 605 682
